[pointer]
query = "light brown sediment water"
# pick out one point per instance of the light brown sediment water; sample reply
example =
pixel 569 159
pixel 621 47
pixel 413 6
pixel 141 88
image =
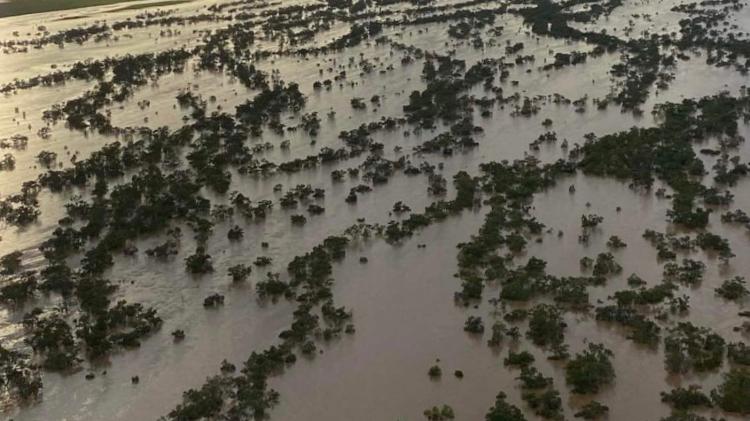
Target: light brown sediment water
pixel 403 298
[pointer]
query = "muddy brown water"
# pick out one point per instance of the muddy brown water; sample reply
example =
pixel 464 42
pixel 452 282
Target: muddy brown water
pixel 402 298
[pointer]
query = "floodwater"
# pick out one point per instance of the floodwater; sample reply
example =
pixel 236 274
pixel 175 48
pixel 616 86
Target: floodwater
pixel 402 299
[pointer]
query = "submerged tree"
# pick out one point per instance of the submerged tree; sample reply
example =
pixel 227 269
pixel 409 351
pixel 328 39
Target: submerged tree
pixel 590 370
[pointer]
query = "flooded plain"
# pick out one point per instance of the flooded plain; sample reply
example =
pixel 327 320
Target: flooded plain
pixel 402 294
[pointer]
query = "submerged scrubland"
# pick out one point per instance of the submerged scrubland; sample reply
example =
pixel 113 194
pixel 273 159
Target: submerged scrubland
pixel 247 209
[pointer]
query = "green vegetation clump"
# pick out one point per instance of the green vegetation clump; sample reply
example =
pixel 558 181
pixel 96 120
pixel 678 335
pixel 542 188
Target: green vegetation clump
pixel 546 404
pixel 592 411
pixel 733 289
pixel 546 326
pixel 298 219
pixel 443 413
pixel 205 402
pixel 272 287
pixel 733 395
pixel 474 324
pixel 19 289
pixel 52 337
pixel 714 243
pixel 20 376
pixel 516 315
pixel 738 353
pixel 643 296
pixel 200 262
pixel 690 273
pixel 213 300
pixel 499 331
pixel 688 347
pixel 635 281
pixel 10 263
pixel 532 379
pixel 434 371
pixel 683 399
pixel 590 370
pixel 641 329
pixel 666 152
pixel 518 359
pixel 503 411
pixel 240 272
pixel 616 242
pixel 512 184
pixel 235 233
pixel 606 265
pixel 591 221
